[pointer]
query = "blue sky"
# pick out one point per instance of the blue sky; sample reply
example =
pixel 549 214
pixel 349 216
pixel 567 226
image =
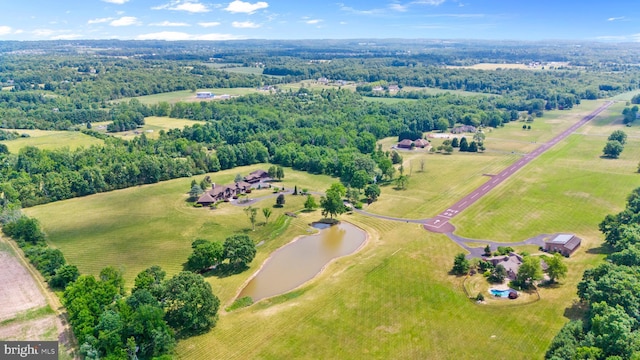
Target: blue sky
pixel 613 20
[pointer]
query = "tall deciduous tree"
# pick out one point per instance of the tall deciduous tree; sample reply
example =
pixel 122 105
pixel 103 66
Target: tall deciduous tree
pixel 372 192
pixel 529 271
pixel 205 255
pixel 618 135
pixel 239 250
pixel 331 203
pixel 460 265
pixel 267 214
pixel 612 149
pixel 190 306
pixel 557 269
pixel 252 214
pixel 310 203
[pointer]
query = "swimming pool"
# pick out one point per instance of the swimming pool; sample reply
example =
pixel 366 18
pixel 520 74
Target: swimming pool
pixel 501 293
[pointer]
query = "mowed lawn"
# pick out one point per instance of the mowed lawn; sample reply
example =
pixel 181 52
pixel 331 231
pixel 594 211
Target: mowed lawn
pixel 135 228
pixel 570 188
pixel 393 299
pixel 49 140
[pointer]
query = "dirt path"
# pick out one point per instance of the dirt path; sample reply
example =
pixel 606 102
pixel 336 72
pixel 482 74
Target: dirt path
pixel 28 290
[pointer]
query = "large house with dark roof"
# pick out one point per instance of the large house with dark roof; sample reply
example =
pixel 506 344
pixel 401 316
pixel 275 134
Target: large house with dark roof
pixel 565 244
pixel 257 176
pixel 510 262
pixel 225 192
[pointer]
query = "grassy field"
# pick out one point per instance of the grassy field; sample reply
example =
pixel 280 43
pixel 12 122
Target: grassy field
pixel 394 298
pixel 492 66
pixel 627 96
pixel 146 225
pixel 151 128
pixel 569 188
pixel 49 140
pixel 188 95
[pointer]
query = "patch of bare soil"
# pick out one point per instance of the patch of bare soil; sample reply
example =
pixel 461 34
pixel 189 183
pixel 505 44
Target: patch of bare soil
pixel 44 328
pixel 19 292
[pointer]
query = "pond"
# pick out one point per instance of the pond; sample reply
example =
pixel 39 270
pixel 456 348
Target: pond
pixel 299 261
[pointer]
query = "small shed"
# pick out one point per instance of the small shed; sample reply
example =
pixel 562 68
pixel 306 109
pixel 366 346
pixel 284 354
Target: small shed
pixel 565 244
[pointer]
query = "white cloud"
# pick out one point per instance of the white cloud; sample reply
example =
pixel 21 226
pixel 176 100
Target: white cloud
pixel 66 37
pixel 398 7
pixel 176 36
pixel 209 24
pixel 125 21
pixel 42 32
pixel 169 23
pixel 245 25
pixel 313 21
pixel 619 18
pixel 238 6
pixel 343 23
pixel 180 5
pixel 119 2
pixel 214 37
pixel 429 2
pixel 99 20
pixel 18 31
pixel 5 30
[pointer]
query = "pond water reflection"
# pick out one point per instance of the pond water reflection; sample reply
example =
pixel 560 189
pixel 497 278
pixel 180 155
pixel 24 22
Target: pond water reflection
pixel 299 261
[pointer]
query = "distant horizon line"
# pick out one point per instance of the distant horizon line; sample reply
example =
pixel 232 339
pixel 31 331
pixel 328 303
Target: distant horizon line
pixel 390 39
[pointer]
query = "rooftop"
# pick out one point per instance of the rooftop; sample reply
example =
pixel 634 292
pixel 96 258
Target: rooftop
pixel 561 239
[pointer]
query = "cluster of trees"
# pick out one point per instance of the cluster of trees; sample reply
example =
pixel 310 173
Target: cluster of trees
pixel 630 114
pixel 529 272
pixel 237 250
pixel 145 324
pixel 35 176
pixel 106 322
pixel 28 235
pixel 609 329
pixel 615 144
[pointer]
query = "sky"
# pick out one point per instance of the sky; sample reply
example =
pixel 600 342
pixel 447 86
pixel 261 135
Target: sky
pixel 612 20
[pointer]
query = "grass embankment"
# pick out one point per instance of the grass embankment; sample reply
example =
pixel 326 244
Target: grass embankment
pixel 50 140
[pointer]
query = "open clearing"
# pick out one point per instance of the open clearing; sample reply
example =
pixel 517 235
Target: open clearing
pixel 50 140
pixel 189 96
pixel 394 298
pixel 151 128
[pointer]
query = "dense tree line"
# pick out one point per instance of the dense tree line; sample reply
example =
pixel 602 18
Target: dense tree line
pixel 609 329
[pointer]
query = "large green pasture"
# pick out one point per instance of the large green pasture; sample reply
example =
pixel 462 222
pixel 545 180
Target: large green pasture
pixel 50 140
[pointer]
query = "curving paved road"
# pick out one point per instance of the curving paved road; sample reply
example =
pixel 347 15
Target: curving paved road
pixel 440 223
